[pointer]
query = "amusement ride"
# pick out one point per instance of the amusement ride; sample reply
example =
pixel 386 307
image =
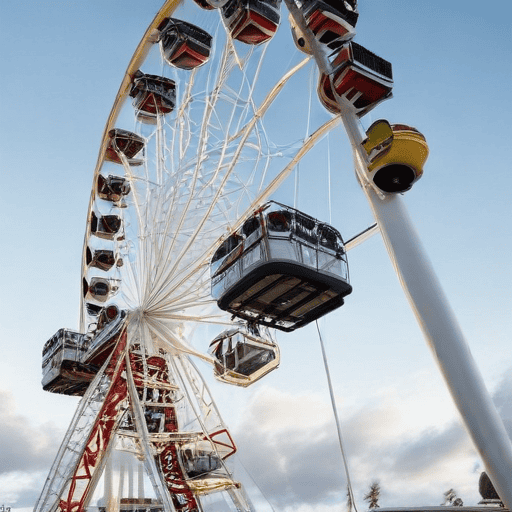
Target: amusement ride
pixel 183 230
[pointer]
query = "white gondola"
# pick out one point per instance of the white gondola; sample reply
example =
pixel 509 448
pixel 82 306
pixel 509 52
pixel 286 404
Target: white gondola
pixel 99 288
pixel 105 226
pixel 243 356
pixel 199 459
pixel 282 269
pixel 102 259
pixel 63 370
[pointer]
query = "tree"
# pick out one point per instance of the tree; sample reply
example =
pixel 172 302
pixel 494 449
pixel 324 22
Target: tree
pixel 350 505
pixel 372 497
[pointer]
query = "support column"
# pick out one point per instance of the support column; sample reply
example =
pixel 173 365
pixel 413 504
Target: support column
pixel 440 327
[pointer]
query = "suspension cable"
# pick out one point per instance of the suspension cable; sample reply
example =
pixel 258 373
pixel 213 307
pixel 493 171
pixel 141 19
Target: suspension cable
pixel 329 176
pixel 336 417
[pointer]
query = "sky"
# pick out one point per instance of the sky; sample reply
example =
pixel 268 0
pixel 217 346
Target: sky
pixel 452 61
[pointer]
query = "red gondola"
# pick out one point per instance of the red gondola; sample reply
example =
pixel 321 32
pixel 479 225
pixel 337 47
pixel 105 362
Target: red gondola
pixel 184 45
pixel 112 188
pixel 332 21
pixel 252 21
pixel 153 96
pixel 123 142
pixel 360 76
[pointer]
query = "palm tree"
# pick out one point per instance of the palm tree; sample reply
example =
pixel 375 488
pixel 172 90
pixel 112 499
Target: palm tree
pixel 350 505
pixel 451 499
pixel 372 497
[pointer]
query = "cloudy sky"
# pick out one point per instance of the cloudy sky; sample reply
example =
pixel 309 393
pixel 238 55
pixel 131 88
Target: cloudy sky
pixel 62 64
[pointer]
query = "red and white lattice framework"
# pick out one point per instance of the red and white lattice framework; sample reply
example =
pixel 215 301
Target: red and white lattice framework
pixel 161 404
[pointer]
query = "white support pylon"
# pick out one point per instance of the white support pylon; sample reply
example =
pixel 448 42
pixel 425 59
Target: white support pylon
pixel 429 304
pixel 440 328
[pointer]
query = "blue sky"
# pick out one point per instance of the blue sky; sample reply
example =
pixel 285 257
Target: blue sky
pixel 62 65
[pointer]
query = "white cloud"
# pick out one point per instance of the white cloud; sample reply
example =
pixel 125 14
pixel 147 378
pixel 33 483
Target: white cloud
pixel 27 452
pixel 29 448
pixel 289 443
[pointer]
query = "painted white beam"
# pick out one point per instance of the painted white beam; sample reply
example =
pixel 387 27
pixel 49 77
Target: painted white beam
pixel 429 303
pixel 442 332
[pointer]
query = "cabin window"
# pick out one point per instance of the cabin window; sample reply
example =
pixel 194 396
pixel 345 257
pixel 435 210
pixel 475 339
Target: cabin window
pixel 251 359
pixel 105 226
pixel 229 9
pixel 154 419
pixel 305 228
pixel 94 222
pixel 100 288
pixel 85 286
pixel 226 247
pixel 279 222
pixel 250 226
pixel 107 315
pixel 92 309
pixel 328 237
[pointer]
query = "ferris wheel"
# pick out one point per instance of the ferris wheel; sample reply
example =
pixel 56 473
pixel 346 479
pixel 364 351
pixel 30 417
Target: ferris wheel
pixel 183 230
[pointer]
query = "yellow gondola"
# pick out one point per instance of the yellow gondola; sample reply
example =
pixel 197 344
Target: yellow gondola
pixel 396 155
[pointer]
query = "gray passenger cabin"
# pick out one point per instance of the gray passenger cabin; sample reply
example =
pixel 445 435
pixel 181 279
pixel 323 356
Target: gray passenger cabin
pixel 282 269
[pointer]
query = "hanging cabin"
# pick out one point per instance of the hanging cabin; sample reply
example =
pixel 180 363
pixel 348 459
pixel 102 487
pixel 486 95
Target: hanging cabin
pixel 331 21
pixel 184 45
pixel 199 459
pixel 71 359
pixel 102 315
pixel 112 188
pixel 152 96
pixel 99 288
pixel 109 323
pixel 105 226
pixel 125 143
pixel 63 370
pixel 102 259
pixel 242 356
pixel 281 269
pixel 360 76
pixel 396 155
pixel 252 21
